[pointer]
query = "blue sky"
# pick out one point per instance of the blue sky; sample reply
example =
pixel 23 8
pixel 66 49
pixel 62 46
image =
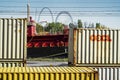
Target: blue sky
pixel 106 12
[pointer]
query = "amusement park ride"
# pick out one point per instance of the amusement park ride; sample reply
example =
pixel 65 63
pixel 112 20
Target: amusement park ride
pixel 46 40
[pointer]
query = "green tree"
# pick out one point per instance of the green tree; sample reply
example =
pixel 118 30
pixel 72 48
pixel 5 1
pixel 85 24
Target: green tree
pixel 104 27
pixel 49 27
pixel 98 25
pixel 39 28
pixel 59 27
pixel 80 24
pixel 54 27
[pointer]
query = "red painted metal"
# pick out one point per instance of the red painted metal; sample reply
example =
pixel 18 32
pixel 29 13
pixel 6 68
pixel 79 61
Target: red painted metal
pixel 37 44
pixel 31 30
pixel 48 41
pixel 45 44
pixel 33 40
pixel 30 45
pixel 53 44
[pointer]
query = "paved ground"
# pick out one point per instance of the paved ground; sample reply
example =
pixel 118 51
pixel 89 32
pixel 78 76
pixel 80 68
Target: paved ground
pixel 46 63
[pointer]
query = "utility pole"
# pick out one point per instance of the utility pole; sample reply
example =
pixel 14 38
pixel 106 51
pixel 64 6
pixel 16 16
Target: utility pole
pixel 28 11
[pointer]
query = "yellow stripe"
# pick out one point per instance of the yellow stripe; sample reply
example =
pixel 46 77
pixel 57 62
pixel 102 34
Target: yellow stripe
pixel 4 76
pixel 10 76
pixel 41 76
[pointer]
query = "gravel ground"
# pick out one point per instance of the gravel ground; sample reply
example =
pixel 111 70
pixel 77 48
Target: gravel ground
pixel 46 63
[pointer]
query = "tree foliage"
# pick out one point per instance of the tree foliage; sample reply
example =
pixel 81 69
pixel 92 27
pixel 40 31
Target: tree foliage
pixel 55 27
pixel 99 26
pixel 80 23
pixel 39 28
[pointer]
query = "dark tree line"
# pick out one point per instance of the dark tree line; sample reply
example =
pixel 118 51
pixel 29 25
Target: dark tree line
pixel 58 27
pixel 91 25
pixel 51 27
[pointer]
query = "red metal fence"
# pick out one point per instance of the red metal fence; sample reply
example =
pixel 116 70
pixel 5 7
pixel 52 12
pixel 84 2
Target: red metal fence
pixel 47 41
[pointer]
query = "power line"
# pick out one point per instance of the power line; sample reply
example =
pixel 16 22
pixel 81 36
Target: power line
pixel 61 7
pixel 81 7
pixel 12 6
pixel 47 13
pixel 74 11
pixel 62 1
pixel 78 15
pixel 12 2
pixel 78 2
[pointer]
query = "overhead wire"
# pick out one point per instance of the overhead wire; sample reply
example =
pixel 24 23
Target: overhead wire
pixel 62 7
pixel 113 9
pixel 60 1
pixel 55 12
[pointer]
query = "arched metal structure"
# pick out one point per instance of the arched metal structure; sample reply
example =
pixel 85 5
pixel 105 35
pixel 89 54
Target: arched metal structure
pixel 64 12
pixel 43 10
